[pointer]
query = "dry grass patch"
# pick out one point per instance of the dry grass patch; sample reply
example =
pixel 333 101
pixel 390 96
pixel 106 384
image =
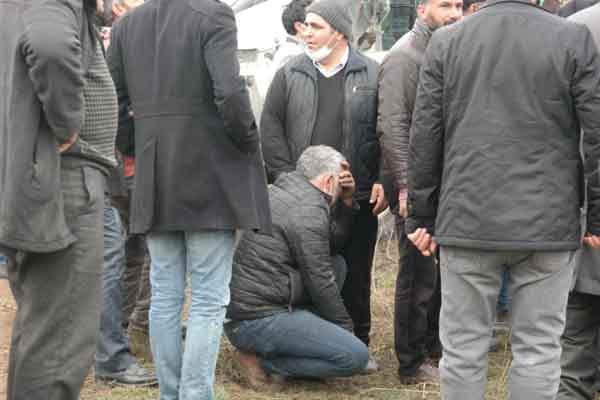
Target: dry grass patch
pixel 381 386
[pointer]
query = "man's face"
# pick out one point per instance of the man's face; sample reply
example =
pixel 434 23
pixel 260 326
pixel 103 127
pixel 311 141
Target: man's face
pixel 319 33
pixel 438 13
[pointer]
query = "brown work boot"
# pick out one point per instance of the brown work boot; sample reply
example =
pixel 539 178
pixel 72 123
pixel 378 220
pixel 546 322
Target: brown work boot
pixel 426 373
pixel 139 342
pixel 249 368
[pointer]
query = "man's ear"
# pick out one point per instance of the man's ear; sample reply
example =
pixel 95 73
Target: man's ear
pixel 299 27
pixel 421 10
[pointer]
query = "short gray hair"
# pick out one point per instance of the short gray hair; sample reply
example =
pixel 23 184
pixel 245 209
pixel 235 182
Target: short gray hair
pixel 319 160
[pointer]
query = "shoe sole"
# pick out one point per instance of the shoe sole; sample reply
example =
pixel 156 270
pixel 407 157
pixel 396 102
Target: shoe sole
pixel 116 383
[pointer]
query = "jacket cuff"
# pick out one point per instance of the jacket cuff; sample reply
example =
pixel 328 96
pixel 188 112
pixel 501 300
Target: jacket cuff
pixel 413 223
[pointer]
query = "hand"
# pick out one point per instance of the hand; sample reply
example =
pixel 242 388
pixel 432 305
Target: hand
pixel 592 240
pixel 64 146
pixel 402 203
pixel 378 198
pixel 346 183
pixel 423 241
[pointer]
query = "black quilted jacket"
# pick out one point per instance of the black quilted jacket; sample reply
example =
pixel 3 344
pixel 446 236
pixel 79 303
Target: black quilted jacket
pixel 292 267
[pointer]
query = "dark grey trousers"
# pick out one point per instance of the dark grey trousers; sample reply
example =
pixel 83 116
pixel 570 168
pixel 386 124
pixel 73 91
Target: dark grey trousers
pixel 59 297
pixel 580 353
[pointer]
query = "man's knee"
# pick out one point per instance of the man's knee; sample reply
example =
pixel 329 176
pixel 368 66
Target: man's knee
pixel 353 359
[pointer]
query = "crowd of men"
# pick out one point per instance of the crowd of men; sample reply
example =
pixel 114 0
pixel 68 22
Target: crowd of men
pixel 132 168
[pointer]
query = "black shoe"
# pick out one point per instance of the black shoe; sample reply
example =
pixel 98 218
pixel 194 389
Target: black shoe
pixel 135 375
pixel 426 373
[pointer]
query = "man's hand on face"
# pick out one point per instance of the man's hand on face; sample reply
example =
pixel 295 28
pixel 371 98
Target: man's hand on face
pixel 592 240
pixel 402 203
pixel 64 146
pixel 378 199
pixel 347 184
pixel 423 241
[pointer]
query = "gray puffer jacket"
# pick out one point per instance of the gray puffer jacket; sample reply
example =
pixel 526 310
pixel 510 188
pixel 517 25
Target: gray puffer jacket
pixel 494 155
pixel 293 266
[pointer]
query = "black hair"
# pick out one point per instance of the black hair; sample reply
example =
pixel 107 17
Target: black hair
pixel 468 3
pixel 295 11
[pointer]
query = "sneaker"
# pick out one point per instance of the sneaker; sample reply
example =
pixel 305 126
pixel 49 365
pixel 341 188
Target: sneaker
pixel 135 375
pixel 371 368
pixel 249 368
pixel 426 373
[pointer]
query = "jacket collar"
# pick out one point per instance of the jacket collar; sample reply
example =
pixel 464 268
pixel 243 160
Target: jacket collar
pixel 421 29
pixel 294 182
pixel 491 3
pixel 355 64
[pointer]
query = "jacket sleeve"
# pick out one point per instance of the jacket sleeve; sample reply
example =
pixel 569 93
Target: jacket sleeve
pixel 52 51
pixel 397 91
pixel 231 96
pixel 309 243
pixel 585 89
pixel 425 151
pixel 125 141
pixel 342 221
pixel 272 129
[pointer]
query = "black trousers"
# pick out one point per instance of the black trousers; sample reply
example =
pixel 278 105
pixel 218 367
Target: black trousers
pixel 59 298
pixel 417 306
pixel 358 253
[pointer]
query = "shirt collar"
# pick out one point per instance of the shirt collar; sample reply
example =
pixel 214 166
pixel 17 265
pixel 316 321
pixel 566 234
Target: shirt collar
pixel 341 65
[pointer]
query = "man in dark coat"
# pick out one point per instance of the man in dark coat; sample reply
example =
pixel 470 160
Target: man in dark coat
pixel 574 6
pixel 58 121
pixel 495 174
pixel 287 314
pixel 199 174
pixel 328 96
pixel 580 359
pixel 417 303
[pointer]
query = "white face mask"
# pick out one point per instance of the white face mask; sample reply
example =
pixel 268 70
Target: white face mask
pixel 321 53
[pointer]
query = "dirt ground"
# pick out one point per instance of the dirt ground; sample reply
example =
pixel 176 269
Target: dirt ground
pixel 380 386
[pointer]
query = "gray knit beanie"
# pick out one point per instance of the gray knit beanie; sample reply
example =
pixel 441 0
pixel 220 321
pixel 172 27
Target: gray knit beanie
pixel 336 13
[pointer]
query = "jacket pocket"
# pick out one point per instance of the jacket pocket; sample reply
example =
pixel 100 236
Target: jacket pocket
pixel 42 178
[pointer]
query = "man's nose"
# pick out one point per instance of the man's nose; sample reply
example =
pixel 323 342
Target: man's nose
pixel 456 14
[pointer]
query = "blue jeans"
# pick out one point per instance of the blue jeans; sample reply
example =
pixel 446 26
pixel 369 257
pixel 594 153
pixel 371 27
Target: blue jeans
pixel 112 352
pixel 3 266
pixel 300 345
pixel 503 299
pixel 207 257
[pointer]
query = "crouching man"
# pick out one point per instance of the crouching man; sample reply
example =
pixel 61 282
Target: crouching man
pixel 287 316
